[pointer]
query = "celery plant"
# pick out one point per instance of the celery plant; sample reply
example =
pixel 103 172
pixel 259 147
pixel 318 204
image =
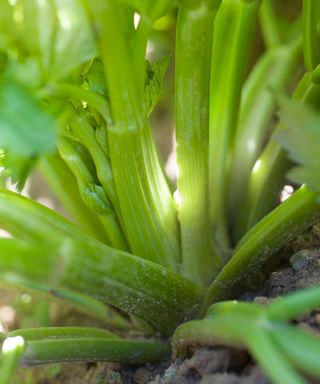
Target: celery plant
pixel 76 96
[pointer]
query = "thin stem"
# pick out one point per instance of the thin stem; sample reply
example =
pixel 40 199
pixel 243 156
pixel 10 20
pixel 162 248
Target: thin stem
pixel 33 222
pixel 234 31
pixel 57 175
pixel 48 333
pixel 268 174
pixel 82 303
pixel 269 25
pixel 92 349
pixel 193 53
pixel 92 194
pixel 275 363
pixel 302 348
pixel 294 304
pixel 311 51
pixel 79 94
pixel 273 70
pixel 12 349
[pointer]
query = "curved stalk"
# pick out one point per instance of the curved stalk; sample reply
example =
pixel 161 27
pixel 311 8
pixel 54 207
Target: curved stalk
pixel 285 222
pixel 91 192
pixel 268 174
pixel 57 174
pixel 274 70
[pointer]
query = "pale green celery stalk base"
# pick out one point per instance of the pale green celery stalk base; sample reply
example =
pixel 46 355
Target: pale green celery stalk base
pixel 10 356
pixel 84 304
pixel 233 34
pixel 273 71
pixel 193 53
pixel 285 222
pixel 57 175
pixel 146 202
pixel 151 292
pixel 268 174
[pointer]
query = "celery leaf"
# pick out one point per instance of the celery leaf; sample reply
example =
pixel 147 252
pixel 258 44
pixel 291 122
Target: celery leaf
pixel 153 84
pixel 300 136
pixel 26 130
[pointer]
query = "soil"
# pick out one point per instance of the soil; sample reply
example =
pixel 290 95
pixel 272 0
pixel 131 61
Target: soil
pixel 300 268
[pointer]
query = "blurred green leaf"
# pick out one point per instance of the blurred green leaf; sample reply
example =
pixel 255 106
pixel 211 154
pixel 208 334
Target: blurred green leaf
pixel 26 130
pixel 55 33
pixel 300 136
pixel 153 85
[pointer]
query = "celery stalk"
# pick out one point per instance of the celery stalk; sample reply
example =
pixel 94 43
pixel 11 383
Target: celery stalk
pixel 195 24
pixel 233 34
pixel 145 200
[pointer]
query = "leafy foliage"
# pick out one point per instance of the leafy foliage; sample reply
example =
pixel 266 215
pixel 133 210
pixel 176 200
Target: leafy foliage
pixel 300 135
pixel 27 131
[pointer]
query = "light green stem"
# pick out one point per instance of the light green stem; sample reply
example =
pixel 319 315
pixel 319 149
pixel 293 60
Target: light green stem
pixel 233 34
pixel 57 175
pixel 193 53
pixel 311 17
pixel 268 174
pixel 146 203
pixel 92 193
pixel 273 71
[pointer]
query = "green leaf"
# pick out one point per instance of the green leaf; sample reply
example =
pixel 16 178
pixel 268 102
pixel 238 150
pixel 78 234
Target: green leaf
pixel 26 130
pixel 300 136
pixel 57 33
pixel 153 84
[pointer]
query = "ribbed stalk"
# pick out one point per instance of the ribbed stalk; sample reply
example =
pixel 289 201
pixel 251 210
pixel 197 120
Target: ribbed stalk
pixel 193 53
pixel 233 34
pixel 140 287
pixel 146 203
pixel 144 196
